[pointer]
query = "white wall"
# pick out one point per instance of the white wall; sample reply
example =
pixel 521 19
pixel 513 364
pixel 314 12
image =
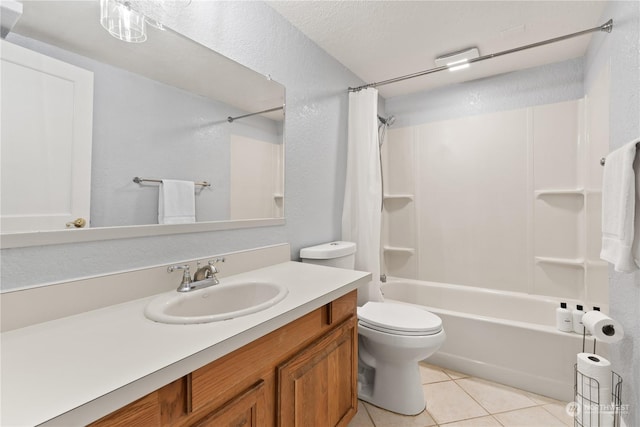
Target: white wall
pixel 547 84
pixel 255 35
pixel 621 51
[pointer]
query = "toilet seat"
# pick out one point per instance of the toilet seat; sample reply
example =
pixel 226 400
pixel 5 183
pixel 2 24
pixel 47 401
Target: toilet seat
pixel 398 319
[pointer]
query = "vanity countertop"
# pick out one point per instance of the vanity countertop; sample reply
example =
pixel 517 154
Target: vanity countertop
pixel 74 370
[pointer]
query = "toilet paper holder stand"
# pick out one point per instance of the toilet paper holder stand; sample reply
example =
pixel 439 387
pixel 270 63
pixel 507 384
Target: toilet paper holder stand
pixel 588 410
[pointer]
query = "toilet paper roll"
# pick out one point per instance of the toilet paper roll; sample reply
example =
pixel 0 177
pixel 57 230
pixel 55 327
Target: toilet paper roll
pixel 594 378
pixel 602 327
pixel 591 415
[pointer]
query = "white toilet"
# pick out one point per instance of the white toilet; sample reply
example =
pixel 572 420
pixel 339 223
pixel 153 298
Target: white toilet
pixel 392 339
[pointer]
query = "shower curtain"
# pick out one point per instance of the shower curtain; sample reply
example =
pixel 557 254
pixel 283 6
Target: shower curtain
pixel 361 216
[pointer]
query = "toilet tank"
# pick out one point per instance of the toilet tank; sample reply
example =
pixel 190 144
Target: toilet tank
pixel 334 254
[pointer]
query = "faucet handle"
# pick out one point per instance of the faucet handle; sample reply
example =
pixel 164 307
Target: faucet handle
pixel 173 268
pixel 212 263
pixel 186 276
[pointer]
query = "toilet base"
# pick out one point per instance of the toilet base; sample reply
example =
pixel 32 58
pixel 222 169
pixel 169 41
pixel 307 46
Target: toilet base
pixel 396 388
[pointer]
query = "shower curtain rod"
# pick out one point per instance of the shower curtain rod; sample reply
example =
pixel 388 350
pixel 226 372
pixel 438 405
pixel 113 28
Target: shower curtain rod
pixel 231 119
pixel 607 27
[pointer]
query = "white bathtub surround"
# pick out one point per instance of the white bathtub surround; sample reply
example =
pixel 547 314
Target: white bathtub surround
pixel 361 216
pixel 76 369
pixel 507 337
pixel 621 208
pixel 508 200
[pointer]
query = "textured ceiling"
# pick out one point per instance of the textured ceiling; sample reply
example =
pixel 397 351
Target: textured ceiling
pixel 379 40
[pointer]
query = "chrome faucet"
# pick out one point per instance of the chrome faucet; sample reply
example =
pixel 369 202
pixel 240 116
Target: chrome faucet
pixel 207 272
pixel 203 277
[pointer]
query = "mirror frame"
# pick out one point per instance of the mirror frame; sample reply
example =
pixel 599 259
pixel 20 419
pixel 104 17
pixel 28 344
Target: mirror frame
pixel 80 235
pixel 66 236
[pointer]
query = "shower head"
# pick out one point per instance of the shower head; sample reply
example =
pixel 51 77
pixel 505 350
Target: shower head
pixel 388 121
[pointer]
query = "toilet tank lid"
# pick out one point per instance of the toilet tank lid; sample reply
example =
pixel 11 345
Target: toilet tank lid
pixel 328 250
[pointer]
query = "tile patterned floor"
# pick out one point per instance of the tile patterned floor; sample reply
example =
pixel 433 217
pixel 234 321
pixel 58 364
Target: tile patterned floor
pixel 459 400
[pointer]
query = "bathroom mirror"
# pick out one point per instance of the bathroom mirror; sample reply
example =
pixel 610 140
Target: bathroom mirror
pixel 157 110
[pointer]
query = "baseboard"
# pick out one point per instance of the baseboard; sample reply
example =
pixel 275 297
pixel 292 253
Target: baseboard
pixel 534 384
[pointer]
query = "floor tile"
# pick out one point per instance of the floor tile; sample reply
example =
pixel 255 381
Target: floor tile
pixel 529 417
pixel 475 422
pixel 540 399
pixel 432 374
pixel 382 418
pixel 454 375
pixel 447 402
pixel 362 418
pixel 495 397
pixel 559 410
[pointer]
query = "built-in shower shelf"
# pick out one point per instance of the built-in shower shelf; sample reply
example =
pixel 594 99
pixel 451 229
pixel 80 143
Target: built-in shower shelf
pixel 561 192
pixel 399 250
pixel 569 262
pixel 398 197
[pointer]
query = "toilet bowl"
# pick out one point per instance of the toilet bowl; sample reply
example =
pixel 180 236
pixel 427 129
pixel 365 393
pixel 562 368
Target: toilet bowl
pixel 392 339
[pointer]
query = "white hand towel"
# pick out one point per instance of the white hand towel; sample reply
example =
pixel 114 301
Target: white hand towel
pixel 621 208
pixel 176 202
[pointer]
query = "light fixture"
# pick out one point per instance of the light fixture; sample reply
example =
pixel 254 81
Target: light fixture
pixel 122 22
pixel 11 12
pixel 155 24
pixel 457 60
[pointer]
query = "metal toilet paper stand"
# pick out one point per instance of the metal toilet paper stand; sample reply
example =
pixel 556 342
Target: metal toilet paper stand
pixel 588 410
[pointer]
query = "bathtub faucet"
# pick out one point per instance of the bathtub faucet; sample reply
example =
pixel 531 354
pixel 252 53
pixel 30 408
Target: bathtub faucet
pixel 383 278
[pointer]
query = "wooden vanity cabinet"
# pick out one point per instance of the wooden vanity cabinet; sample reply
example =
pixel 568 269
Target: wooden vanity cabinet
pixel 303 374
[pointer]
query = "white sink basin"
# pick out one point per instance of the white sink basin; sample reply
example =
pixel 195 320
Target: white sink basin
pixel 219 302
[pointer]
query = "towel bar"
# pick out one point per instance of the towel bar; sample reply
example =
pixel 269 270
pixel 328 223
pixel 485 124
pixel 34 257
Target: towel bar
pixel 139 180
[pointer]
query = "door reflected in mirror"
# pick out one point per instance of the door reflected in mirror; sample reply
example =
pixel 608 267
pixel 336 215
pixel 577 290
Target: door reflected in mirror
pixel 168 108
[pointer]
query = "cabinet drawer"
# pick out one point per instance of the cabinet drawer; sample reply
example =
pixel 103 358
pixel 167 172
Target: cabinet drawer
pixel 342 308
pixel 141 413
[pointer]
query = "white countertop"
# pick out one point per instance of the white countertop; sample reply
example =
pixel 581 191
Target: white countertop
pixel 77 369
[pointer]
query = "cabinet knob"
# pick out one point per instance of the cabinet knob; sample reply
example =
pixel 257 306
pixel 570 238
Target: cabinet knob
pixel 78 223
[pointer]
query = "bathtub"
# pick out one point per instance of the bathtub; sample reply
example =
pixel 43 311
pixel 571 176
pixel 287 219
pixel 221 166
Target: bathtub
pixel 507 337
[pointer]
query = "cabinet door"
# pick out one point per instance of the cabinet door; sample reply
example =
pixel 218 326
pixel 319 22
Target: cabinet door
pixel 245 410
pixel 318 387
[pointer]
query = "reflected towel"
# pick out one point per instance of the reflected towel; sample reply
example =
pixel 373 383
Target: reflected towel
pixel 176 202
pixel 621 208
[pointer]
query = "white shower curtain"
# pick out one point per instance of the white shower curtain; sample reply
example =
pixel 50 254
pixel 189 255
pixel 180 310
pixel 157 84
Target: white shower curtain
pixel 361 216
